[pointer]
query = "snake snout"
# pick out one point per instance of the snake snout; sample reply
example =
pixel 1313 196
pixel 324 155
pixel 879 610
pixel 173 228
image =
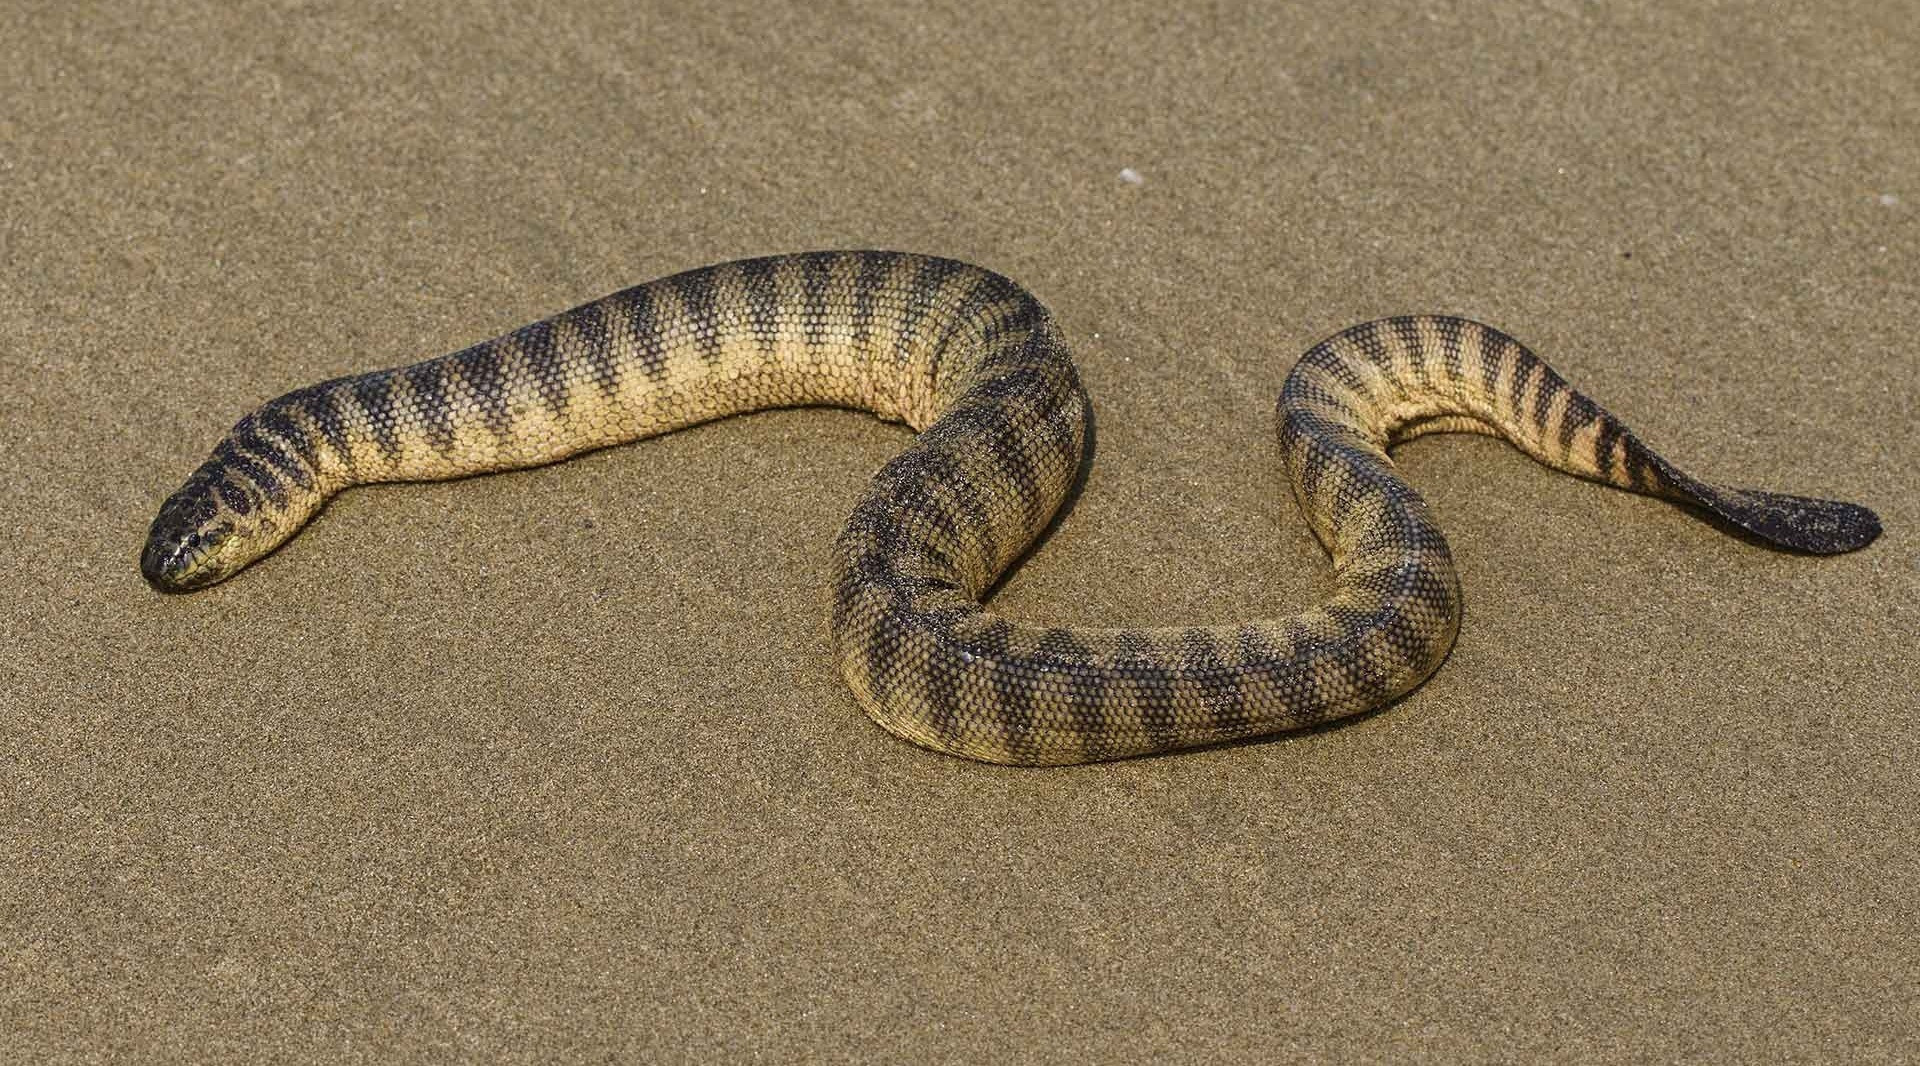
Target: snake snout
pixel 177 562
pixel 157 565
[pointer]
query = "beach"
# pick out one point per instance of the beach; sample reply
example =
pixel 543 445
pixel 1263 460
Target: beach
pixel 555 765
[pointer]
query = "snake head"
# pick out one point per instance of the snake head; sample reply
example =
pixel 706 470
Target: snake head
pixel 193 542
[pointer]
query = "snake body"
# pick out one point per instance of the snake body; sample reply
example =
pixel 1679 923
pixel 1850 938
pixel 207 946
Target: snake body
pixel 976 365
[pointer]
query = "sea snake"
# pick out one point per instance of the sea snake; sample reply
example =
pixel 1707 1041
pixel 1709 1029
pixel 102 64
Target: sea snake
pixel 977 367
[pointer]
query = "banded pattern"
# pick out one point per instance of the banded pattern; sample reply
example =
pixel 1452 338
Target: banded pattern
pixel 976 365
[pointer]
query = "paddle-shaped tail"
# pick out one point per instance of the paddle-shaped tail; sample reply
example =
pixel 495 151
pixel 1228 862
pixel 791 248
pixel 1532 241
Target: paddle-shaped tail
pixel 1409 376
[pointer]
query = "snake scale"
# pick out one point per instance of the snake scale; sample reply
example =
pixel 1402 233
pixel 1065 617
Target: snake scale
pixel 977 367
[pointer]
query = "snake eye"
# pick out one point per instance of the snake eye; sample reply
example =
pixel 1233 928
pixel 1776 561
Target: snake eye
pixel 193 539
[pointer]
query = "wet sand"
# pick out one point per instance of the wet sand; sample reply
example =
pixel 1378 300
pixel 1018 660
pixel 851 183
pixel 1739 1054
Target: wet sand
pixel 554 766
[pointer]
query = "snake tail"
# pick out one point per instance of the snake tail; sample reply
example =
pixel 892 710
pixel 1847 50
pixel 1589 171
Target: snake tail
pixel 978 368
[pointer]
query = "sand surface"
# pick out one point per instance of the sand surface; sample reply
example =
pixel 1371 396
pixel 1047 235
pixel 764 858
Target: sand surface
pixel 553 766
